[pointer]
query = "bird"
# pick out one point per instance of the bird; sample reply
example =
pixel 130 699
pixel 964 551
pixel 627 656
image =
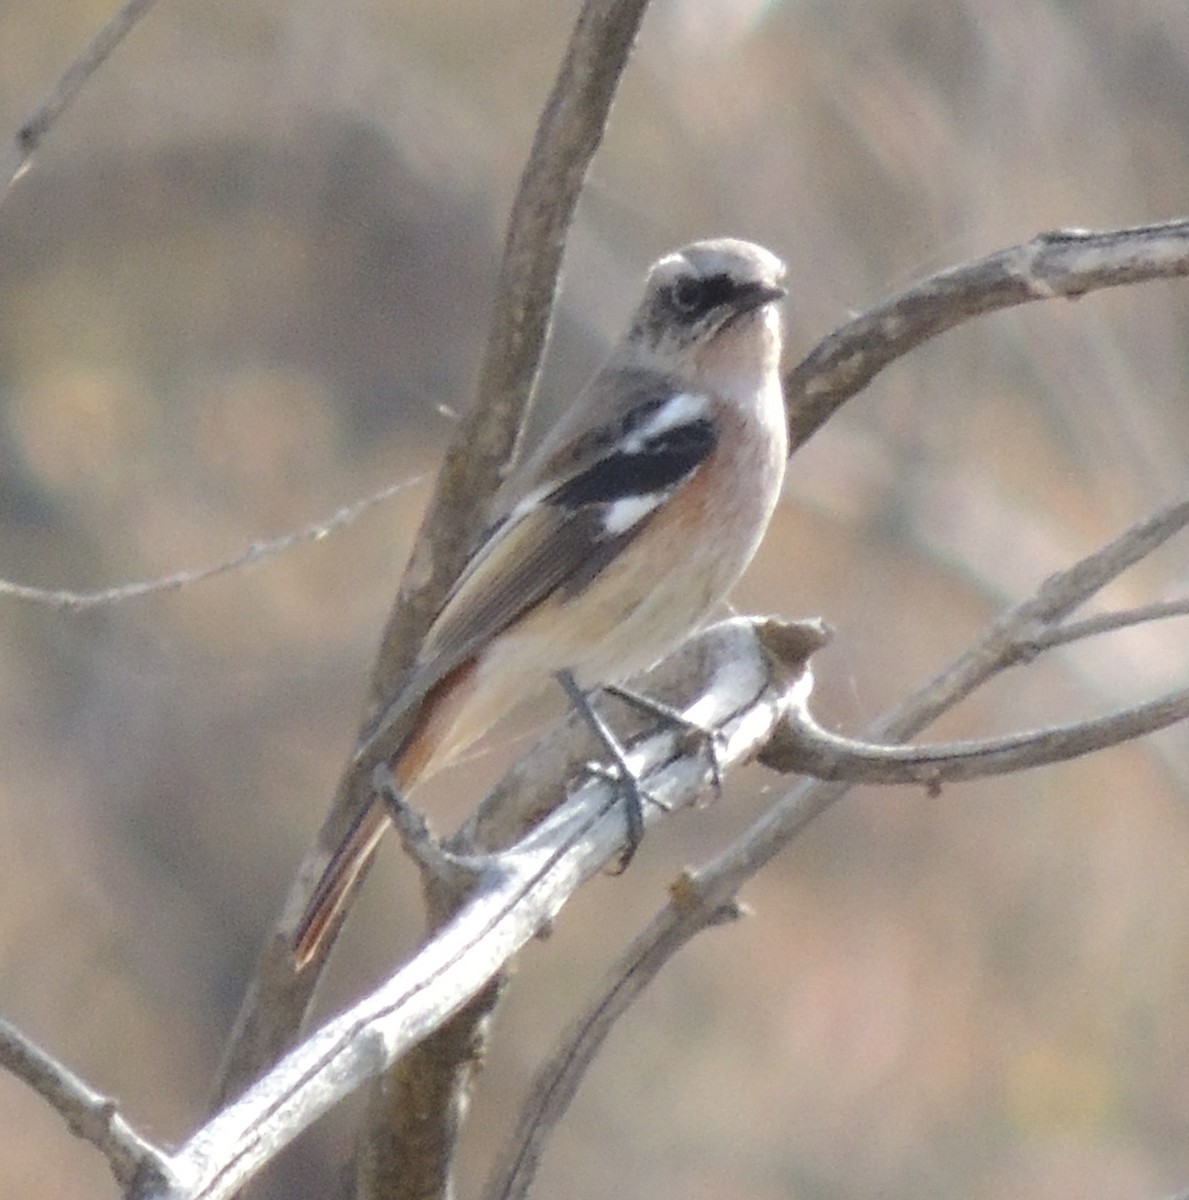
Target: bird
pixel 613 541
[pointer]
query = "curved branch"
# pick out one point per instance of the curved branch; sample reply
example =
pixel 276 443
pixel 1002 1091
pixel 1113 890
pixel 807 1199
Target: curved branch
pixel 557 1080
pixel 740 689
pixel 1029 620
pixel 1065 263
pixel 88 1114
pixel 804 747
pixel 714 887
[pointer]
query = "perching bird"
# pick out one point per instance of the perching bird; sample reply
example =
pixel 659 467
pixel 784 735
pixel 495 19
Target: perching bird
pixel 615 539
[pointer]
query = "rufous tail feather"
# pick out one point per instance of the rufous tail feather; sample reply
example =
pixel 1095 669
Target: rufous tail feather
pixel 412 762
pixel 337 882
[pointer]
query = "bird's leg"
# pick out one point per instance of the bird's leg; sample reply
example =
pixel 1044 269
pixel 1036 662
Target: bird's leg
pixel 625 777
pixel 709 740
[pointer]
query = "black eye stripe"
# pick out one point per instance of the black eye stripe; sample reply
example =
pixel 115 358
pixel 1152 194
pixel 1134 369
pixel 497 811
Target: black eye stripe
pixel 695 296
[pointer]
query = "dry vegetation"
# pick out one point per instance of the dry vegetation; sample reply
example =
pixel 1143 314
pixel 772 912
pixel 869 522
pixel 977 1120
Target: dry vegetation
pixel 241 284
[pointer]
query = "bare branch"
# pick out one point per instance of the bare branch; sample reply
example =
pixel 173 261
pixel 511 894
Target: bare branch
pixel 1101 623
pixel 1059 595
pixel 19 153
pixel 1056 598
pixel 1065 263
pixel 714 887
pixel 557 1080
pixel 740 688
pixel 87 1114
pixel 804 747
pixel 568 135
pixel 257 552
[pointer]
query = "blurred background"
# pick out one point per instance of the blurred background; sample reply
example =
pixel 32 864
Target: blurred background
pixel 245 283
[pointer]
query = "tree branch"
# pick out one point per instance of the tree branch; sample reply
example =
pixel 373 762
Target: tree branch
pixel 1030 620
pixel 88 1115
pixel 408 1149
pixel 802 746
pixel 556 1081
pixel 741 687
pixel 567 137
pixel 700 895
pixel 19 153
pixel 1065 263
pixel 1100 623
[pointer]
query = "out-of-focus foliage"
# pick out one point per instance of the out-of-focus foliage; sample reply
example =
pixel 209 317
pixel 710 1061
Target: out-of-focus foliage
pixel 246 281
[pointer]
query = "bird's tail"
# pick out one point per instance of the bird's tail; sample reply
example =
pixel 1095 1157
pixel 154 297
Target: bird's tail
pixel 351 858
pixel 431 742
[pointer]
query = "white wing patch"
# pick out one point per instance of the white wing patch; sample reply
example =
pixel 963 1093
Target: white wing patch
pixel 621 515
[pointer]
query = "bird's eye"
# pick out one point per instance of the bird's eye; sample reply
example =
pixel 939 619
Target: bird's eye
pixel 689 296
pixel 694 296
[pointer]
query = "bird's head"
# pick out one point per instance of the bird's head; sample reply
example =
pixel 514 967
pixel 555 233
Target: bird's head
pixel 710 300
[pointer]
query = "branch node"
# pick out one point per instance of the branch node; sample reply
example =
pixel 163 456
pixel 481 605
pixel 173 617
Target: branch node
pixel 684 891
pixel 29 136
pixel 732 910
pixel 790 644
pixel 1024 650
pixel 931 779
pixel 456 873
pixel 690 898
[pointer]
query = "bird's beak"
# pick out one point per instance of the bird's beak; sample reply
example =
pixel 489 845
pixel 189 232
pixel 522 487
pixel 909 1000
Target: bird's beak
pixel 755 295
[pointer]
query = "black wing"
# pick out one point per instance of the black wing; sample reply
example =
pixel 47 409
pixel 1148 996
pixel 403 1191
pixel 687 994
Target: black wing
pixel 561 536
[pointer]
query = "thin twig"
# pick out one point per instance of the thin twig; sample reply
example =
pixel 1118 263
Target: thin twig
pixel 75 601
pixel 89 1115
pixel 1056 598
pixel 1100 623
pixel 19 153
